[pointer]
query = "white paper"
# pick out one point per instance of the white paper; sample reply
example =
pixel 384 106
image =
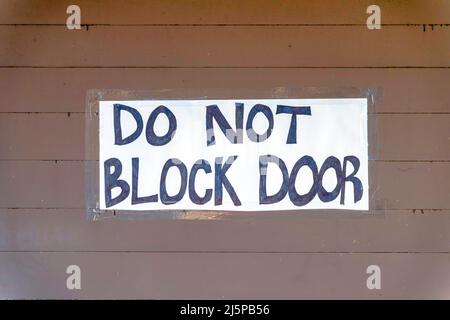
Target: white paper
pixel 336 128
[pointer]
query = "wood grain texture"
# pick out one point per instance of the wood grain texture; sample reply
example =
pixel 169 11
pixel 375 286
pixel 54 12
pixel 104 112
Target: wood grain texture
pixel 304 231
pixel 224 12
pixel 211 46
pixel 60 184
pixel 61 136
pixel 223 276
pixel 64 90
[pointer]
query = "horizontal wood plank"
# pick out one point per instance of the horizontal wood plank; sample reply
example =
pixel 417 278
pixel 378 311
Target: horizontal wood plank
pixel 61 136
pixel 64 90
pixel 224 12
pixel 223 275
pixel 68 230
pixel 60 184
pixel 248 46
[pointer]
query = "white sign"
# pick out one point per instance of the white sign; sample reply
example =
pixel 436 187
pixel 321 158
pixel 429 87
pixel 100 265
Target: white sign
pixel 240 155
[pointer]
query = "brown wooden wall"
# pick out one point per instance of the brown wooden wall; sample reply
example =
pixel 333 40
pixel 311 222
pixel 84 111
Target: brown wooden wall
pixel 45 71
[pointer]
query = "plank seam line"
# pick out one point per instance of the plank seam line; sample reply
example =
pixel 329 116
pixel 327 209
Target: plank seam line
pixel 88 25
pixel 224 252
pixel 220 67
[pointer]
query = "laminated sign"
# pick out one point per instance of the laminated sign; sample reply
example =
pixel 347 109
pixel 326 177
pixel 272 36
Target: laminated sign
pixel 240 155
